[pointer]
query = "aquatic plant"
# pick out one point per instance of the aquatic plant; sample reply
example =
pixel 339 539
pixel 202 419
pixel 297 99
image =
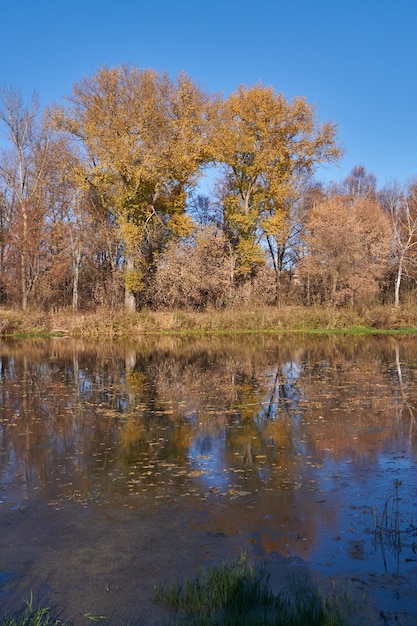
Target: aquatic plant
pixel 32 616
pixel 236 594
pixel 391 528
pixel 389 523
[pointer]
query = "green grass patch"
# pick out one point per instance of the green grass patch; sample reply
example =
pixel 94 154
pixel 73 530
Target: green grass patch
pixel 31 616
pixel 235 594
pixel 36 335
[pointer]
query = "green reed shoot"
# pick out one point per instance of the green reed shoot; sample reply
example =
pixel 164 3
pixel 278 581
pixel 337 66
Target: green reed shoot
pixel 236 595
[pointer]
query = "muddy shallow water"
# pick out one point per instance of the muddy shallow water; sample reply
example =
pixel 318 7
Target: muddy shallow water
pixel 126 465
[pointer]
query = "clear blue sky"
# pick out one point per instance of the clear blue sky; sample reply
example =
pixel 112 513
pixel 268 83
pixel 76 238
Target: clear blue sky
pixel 355 60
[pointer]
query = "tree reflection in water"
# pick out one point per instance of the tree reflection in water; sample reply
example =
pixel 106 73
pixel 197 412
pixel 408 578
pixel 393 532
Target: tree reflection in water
pixel 290 445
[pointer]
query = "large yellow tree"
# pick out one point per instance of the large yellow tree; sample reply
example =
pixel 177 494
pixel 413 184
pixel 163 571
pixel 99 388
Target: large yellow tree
pixel 144 139
pixel 266 143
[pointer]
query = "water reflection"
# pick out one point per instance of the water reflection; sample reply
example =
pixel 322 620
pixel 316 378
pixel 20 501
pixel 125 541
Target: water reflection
pixel 292 445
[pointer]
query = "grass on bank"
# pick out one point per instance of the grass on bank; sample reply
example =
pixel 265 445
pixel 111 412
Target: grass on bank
pixel 108 324
pixel 235 594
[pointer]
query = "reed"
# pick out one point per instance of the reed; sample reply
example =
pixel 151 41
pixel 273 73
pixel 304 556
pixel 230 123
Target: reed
pixel 391 528
pixel 235 594
pixel 388 525
pixel 113 324
pixel 31 616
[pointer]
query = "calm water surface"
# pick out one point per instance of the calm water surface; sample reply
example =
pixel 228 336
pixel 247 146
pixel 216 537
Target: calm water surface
pixel 122 465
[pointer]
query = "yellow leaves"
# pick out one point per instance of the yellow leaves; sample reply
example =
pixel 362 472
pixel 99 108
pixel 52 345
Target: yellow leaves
pixel 245 223
pixel 265 143
pixel 249 254
pixel 181 225
pixel 176 200
pixel 142 126
pixel 131 234
pixel 144 138
pixel 232 204
pixel 133 279
pixel 135 381
pixel 275 225
pixel 255 121
pixel 279 134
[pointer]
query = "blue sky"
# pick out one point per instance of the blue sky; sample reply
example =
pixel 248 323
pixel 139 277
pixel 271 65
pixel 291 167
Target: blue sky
pixel 355 60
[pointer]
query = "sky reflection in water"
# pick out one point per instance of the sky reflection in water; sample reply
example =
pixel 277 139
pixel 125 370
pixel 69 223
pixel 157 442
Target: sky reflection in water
pixel 297 447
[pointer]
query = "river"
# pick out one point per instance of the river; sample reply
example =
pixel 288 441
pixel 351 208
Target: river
pixel 124 465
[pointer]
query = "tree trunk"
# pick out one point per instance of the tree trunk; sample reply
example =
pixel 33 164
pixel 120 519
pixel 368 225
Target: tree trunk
pixel 398 282
pixel 23 258
pixel 76 277
pixel 23 281
pixel 277 288
pixel 275 264
pixel 130 300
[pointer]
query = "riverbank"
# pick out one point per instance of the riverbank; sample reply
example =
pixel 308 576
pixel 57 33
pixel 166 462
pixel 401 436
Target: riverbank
pixel 105 323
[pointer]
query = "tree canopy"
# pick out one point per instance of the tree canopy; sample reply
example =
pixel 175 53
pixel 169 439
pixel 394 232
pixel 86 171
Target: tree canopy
pixel 143 140
pixel 266 144
pixel 100 201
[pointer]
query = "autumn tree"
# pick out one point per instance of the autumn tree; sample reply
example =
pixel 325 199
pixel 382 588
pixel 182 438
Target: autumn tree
pixel 348 251
pixel 75 230
pixel 265 144
pixel 359 183
pixel 3 244
pixel 144 139
pixel 400 203
pixel 26 178
pixel 286 246
pixel 194 272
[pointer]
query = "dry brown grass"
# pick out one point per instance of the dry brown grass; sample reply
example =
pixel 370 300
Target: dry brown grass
pixel 114 324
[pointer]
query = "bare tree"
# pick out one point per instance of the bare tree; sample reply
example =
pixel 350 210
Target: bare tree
pixel 359 184
pixel 284 243
pixel 23 174
pixel 401 205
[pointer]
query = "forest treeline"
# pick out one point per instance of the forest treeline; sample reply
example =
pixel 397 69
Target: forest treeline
pixel 100 203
